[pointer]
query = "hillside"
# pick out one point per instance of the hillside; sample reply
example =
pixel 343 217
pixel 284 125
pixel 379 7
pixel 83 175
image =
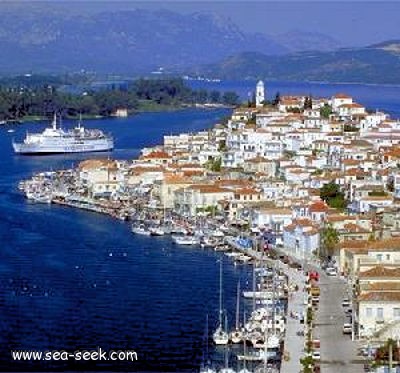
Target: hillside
pixel 131 42
pixel 375 64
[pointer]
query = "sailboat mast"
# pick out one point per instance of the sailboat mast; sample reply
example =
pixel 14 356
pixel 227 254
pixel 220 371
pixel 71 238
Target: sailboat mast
pixel 254 287
pixel 237 305
pixel 273 300
pixel 206 357
pixel 244 342
pixel 220 292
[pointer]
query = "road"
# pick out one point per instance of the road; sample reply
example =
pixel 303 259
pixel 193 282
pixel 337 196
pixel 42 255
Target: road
pixel 338 351
pixel 294 344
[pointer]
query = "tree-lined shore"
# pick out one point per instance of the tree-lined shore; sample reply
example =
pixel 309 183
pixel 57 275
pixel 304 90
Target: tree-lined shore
pixel 21 101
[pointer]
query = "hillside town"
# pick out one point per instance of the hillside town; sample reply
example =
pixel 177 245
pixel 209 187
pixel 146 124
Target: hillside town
pixel 312 181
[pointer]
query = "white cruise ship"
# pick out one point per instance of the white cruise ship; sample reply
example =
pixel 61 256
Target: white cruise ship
pixel 56 140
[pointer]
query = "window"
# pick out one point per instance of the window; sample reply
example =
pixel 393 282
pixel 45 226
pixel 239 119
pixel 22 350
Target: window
pixel 368 312
pixel 379 257
pixel 396 313
pixel 379 313
pixel 387 256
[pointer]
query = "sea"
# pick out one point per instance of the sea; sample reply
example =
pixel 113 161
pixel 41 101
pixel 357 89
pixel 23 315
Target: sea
pixel 76 280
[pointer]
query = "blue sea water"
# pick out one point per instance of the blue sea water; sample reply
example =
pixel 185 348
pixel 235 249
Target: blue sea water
pixel 73 279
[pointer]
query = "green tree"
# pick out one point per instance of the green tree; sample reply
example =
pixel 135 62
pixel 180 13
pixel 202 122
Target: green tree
pixel 329 240
pixel 332 195
pixel 201 96
pixel 308 102
pixel 307 362
pixel 215 96
pixel 382 353
pixel 214 164
pixel 230 98
pixel 325 111
pixel 275 102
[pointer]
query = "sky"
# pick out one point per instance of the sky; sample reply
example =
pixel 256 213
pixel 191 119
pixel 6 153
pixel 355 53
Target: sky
pixel 352 23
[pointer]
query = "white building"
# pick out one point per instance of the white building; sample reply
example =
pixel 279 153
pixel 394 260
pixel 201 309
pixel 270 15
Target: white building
pixel 260 94
pixel 301 238
pixel 339 100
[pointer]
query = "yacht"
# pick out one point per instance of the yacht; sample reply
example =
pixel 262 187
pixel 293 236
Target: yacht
pixel 220 336
pixel 186 240
pixel 141 229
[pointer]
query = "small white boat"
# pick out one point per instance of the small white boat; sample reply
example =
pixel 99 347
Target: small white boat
pixel 220 336
pixel 11 130
pixel 257 355
pixel 179 230
pixel 233 254
pixel 243 258
pixel 186 240
pixel 154 231
pixel 207 370
pixel 258 294
pixel 141 229
pixel 42 198
pixel 237 334
pixel 273 342
pixel 218 233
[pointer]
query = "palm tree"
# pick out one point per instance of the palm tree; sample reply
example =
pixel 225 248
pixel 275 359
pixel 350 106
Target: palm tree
pixel 329 240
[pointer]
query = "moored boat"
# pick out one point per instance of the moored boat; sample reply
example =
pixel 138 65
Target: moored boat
pixel 141 229
pixel 186 240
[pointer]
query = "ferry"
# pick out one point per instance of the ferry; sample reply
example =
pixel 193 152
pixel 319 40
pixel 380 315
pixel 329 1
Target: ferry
pixel 55 140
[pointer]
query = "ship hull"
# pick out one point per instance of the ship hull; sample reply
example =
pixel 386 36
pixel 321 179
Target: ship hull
pixel 37 149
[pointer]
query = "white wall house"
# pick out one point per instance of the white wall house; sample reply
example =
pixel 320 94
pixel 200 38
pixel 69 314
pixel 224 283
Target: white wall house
pixel 364 204
pixel 301 238
pixel 339 100
pixel 188 201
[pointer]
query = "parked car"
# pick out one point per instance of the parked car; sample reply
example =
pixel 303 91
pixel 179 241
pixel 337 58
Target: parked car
pixel 347 328
pixel 331 271
pixel 316 343
pixel 316 355
pixel 315 299
pixel 315 291
pixel 313 275
pixel 346 303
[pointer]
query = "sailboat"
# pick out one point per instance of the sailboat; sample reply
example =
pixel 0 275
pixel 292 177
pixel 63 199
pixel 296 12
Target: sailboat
pixel 205 366
pixel 237 334
pixel 226 368
pixel 244 369
pixel 220 336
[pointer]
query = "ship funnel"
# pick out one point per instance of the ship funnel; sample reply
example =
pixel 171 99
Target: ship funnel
pixel 54 123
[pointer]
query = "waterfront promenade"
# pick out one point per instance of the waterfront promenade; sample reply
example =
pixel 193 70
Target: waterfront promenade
pixel 294 344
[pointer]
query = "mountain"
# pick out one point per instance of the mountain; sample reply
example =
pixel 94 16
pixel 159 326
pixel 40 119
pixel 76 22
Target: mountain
pixel 131 41
pixel 389 46
pixel 375 64
pixel 298 41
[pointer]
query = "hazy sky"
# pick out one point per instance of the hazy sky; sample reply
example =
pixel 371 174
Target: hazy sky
pixel 350 22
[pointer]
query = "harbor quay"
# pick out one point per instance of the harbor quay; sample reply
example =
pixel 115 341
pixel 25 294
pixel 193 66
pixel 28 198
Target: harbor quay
pixel 306 192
